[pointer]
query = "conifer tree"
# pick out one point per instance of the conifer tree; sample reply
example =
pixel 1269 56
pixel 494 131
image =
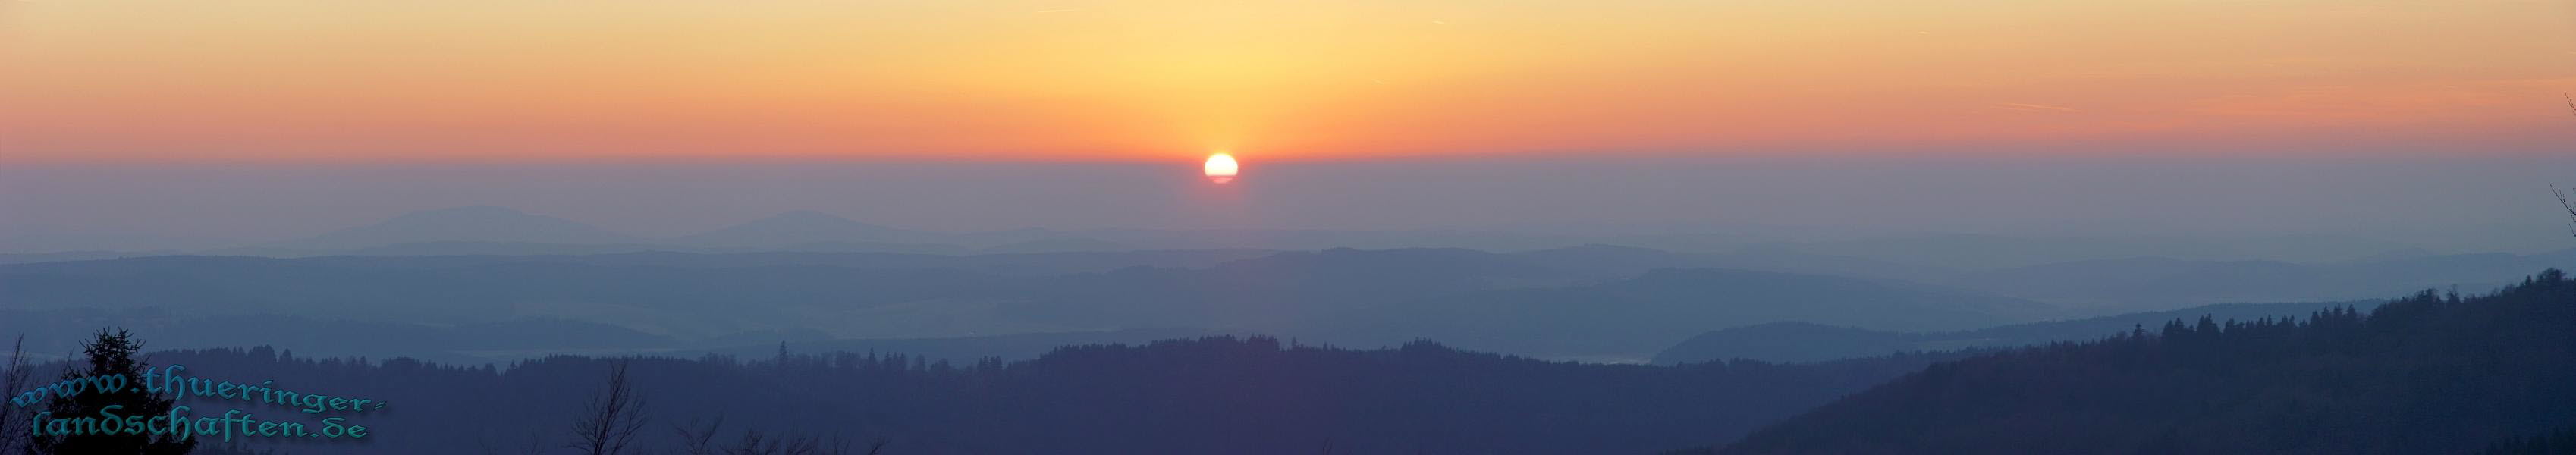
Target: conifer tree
pixel 110 352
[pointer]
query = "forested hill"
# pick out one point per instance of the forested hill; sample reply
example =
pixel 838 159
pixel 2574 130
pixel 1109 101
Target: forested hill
pixel 2425 374
pixel 1207 395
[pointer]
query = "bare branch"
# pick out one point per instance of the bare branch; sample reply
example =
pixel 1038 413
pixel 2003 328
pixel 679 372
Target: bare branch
pixel 698 439
pixel 754 442
pixel 14 379
pixel 2564 203
pixel 613 417
pixel 536 444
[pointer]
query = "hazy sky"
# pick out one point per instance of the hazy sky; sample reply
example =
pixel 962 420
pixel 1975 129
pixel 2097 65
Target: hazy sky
pixel 128 81
pixel 2478 204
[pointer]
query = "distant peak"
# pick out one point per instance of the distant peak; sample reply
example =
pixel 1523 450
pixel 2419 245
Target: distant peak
pixel 809 216
pixel 480 223
pixel 1602 248
pixel 467 212
pixel 804 227
pixel 474 209
pixel 804 214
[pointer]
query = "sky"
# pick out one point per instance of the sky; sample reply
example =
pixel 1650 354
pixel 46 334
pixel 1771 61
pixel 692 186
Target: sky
pixel 147 124
pixel 477 81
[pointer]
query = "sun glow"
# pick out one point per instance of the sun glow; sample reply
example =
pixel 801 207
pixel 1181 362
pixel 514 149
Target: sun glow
pixel 1220 168
pixel 1303 81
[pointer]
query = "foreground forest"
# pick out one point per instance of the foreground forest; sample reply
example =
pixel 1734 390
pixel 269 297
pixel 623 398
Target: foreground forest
pixel 2432 373
pixel 1207 395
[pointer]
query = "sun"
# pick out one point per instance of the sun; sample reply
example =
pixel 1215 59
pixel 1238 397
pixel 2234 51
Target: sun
pixel 1220 167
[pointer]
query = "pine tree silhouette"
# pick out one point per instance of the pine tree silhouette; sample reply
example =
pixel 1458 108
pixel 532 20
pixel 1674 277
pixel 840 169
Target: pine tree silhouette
pixel 111 353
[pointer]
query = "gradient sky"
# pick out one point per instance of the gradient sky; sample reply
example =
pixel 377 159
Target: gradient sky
pixel 485 81
pixel 188 124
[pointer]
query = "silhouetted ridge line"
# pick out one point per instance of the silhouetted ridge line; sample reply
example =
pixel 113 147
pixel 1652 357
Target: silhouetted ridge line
pixel 1226 394
pixel 2430 373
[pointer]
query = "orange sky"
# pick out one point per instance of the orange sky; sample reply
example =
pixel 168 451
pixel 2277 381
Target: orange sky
pixel 117 81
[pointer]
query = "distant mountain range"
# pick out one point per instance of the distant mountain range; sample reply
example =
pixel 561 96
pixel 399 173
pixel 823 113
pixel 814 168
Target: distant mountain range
pixel 1984 251
pixel 1801 341
pixel 503 231
pixel 1571 309
pixel 475 224
pixel 805 227
pixel 1664 306
pixel 1928 258
pixel 2148 283
pixel 53 333
pixel 812 275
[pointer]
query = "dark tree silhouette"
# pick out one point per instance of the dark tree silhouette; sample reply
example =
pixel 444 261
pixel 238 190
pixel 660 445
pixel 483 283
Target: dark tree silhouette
pixel 608 424
pixel 14 380
pixel 110 353
pixel 1232 395
pixel 698 438
pixel 2431 373
pixel 2562 442
pixel 2564 203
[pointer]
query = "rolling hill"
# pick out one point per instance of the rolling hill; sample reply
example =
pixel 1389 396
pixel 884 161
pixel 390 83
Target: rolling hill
pixel 2425 374
pixel 1796 341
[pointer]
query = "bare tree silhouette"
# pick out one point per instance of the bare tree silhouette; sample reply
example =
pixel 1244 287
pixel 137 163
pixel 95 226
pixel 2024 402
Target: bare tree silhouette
pixel 698 438
pixel 2553 189
pixel 609 423
pixel 2564 203
pixel 13 380
pixel 756 442
pixel 841 446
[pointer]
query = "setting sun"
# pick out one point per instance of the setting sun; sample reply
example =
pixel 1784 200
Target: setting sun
pixel 1220 168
